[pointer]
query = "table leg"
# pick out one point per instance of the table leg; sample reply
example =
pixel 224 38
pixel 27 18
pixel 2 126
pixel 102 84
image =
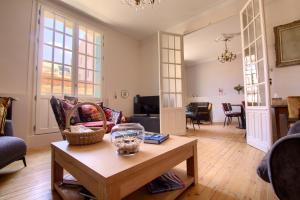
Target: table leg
pixel 192 164
pixel 56 170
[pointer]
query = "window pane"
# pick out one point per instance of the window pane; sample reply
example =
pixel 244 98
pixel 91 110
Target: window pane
pixel 246 37
pixel 261 72
pixel 57 86
pixel 81 89
pixel 90 76
pixel 68 42
pixel 178 71
pixel 47 70
pixel 59 39
pixel 97 38
pixel 165 55
pixel 97 91
pixel 178 57
pixel 245 20
pixel 90 36
pixel 165 70
pixel 165 85
pixel 47 53
pixel 48 36
pixel 172 71
pixel 59 23
pixel 165 41
pixel 67 87
pixel 45 86
pixel 257 27
pixel 256 7
pixel 97 64
pixel 251 32
pixel 177 42
pixel 89 49
pixel 58 55
pixel 178 85
pixel 259 49
pixel 89 89
pixel 97 79
pixel 171 42
pixel 172 100
pixel 250 12
pixel 82 33
pixel 81 74
pixel 171 56
pixel 172 85
pixel 81 61
pixel 262 95
pixel 89 62
pixel 48 19
pixel 68 57
pixel 57 71
pixel 82 45
pixel 97 51
pixel 67 73
pixel 69 27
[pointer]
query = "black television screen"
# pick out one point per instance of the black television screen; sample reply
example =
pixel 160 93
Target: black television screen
pixel 146 105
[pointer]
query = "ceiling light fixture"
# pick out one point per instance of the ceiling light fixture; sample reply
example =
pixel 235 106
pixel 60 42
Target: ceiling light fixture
pixel 140 4
pixel 226 56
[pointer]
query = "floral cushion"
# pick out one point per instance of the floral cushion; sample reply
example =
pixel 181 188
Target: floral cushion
pixel 68 106
pixel 89 113
pixel 4 104
pixel 108 113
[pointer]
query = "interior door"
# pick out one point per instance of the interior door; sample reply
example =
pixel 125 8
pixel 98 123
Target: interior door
pixel 256 75
pixel 172 112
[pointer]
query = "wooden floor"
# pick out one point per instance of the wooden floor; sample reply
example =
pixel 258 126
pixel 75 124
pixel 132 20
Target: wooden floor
pixel 226 170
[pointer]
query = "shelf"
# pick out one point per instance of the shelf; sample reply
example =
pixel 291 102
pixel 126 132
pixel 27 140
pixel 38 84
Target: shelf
pixel 143 193
pixel 70 193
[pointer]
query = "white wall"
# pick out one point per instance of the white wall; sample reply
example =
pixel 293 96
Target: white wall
pixel 149 69
pixel 121 63
pixel 286 79
pixel 205 79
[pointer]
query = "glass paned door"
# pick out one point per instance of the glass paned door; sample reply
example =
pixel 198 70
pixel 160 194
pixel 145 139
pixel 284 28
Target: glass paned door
pixel 256 75
pixel 172 114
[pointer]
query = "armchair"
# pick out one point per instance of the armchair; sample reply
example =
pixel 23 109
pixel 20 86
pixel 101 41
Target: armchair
pixel 11 148
pixel 281 165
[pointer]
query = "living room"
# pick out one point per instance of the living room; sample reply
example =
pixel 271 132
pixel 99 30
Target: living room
pixel 131 57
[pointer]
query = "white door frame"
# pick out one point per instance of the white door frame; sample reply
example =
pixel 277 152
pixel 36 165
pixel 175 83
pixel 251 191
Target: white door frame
pixel 258 114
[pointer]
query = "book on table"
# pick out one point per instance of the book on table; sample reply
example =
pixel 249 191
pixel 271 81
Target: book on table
pixel 155 138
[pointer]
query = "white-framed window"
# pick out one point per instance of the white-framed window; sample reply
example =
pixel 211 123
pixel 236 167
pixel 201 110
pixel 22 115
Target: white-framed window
pixel 69 58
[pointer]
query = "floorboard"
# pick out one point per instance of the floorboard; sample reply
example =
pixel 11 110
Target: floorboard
pixel 227 170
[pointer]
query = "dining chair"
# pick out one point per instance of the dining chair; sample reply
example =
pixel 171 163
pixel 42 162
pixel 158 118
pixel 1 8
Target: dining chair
pixel 293 109
pixel 229 114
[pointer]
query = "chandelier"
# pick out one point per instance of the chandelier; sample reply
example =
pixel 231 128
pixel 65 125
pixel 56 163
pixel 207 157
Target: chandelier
pixel 140 4
pixel 227 56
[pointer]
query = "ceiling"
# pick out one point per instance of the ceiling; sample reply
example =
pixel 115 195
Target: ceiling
pixel 200 46
pixel 140 24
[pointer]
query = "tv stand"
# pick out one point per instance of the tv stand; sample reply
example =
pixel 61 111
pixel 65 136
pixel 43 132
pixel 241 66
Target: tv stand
pixel 150 122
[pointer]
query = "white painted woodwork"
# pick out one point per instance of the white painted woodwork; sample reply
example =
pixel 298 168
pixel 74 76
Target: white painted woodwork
pixel 171 90
pixel 256 75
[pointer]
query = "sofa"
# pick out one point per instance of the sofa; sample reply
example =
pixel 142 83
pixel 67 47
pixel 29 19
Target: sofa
pixel 86 115
pixel 11 148
pixel 281 165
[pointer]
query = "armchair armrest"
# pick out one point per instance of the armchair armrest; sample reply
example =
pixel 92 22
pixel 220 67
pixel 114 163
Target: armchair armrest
pixel 8 128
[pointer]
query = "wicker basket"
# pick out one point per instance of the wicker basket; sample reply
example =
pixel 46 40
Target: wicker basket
pixel 85 138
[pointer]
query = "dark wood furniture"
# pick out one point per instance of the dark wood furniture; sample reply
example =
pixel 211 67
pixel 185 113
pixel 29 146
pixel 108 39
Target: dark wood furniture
pixel 242 125
pixel 281 117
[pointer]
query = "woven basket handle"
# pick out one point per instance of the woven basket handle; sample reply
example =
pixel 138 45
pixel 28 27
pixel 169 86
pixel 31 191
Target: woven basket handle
pixel 100 110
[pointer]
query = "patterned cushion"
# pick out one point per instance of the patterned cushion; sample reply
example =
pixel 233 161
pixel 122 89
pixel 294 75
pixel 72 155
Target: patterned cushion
pixel 108 113
pixel 68 106
pixel 71 100
pixel 89 113
pixel 59 112
pixel 4 104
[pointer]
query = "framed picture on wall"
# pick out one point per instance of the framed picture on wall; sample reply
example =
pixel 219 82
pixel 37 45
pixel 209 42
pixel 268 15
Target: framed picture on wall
pixel 287 44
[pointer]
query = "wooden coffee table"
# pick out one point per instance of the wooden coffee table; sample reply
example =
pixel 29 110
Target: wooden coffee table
pixel 110 176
